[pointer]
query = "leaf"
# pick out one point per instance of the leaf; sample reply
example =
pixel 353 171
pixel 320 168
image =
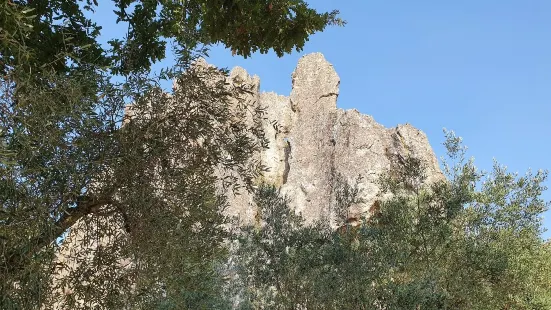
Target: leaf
pixel 25 11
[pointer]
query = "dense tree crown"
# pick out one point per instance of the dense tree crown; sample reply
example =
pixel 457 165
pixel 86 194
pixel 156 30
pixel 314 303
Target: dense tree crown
pixel 57 30
pixel 133 196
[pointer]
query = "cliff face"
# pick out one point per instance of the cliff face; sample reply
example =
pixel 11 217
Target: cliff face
pixel 311 142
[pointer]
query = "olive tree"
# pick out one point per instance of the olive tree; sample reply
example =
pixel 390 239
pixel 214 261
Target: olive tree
pixel 471 240
pixel 147 191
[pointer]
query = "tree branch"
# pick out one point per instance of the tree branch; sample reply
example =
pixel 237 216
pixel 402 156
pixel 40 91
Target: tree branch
pixel 85 206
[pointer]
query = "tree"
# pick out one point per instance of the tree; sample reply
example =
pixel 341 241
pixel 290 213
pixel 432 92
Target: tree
pixel 271 255
pixel 471 241
pixel 284 264
pixel 58 30
pixel 147 196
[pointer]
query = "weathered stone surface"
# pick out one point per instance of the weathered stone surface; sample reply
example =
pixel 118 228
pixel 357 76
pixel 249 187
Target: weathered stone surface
pixel 311 141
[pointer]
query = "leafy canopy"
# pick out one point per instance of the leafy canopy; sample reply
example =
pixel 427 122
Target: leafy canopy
pixel 55 31
pixel 136 210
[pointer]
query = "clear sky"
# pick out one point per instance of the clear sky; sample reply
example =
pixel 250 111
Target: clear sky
pixel 480 68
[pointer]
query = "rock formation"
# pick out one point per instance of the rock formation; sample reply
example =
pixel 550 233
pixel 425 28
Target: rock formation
pixel 311 141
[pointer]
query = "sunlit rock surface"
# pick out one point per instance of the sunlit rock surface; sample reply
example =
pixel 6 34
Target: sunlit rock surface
pixel 311 141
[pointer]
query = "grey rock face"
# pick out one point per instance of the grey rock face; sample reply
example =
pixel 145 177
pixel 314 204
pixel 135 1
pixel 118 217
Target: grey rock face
pixel 311 142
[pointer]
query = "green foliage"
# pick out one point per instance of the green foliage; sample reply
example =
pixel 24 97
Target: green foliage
pixel 244 26
pixel 133 198
pixel 68 162
pixel 284 264
pixel 50 152
pixel 272 254
pixel 469 242
pixel 145 200
pixel 59 34
pixel 51 32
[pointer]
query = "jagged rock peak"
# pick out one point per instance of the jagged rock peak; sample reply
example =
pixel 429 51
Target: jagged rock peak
pixel 314 78
pixel 314 143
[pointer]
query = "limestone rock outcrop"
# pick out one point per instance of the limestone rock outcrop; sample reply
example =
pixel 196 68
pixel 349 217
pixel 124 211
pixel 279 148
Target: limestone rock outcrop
pixel 311 141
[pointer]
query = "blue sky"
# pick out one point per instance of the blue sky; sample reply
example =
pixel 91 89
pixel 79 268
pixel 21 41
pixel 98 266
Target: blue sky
pixel 480 68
